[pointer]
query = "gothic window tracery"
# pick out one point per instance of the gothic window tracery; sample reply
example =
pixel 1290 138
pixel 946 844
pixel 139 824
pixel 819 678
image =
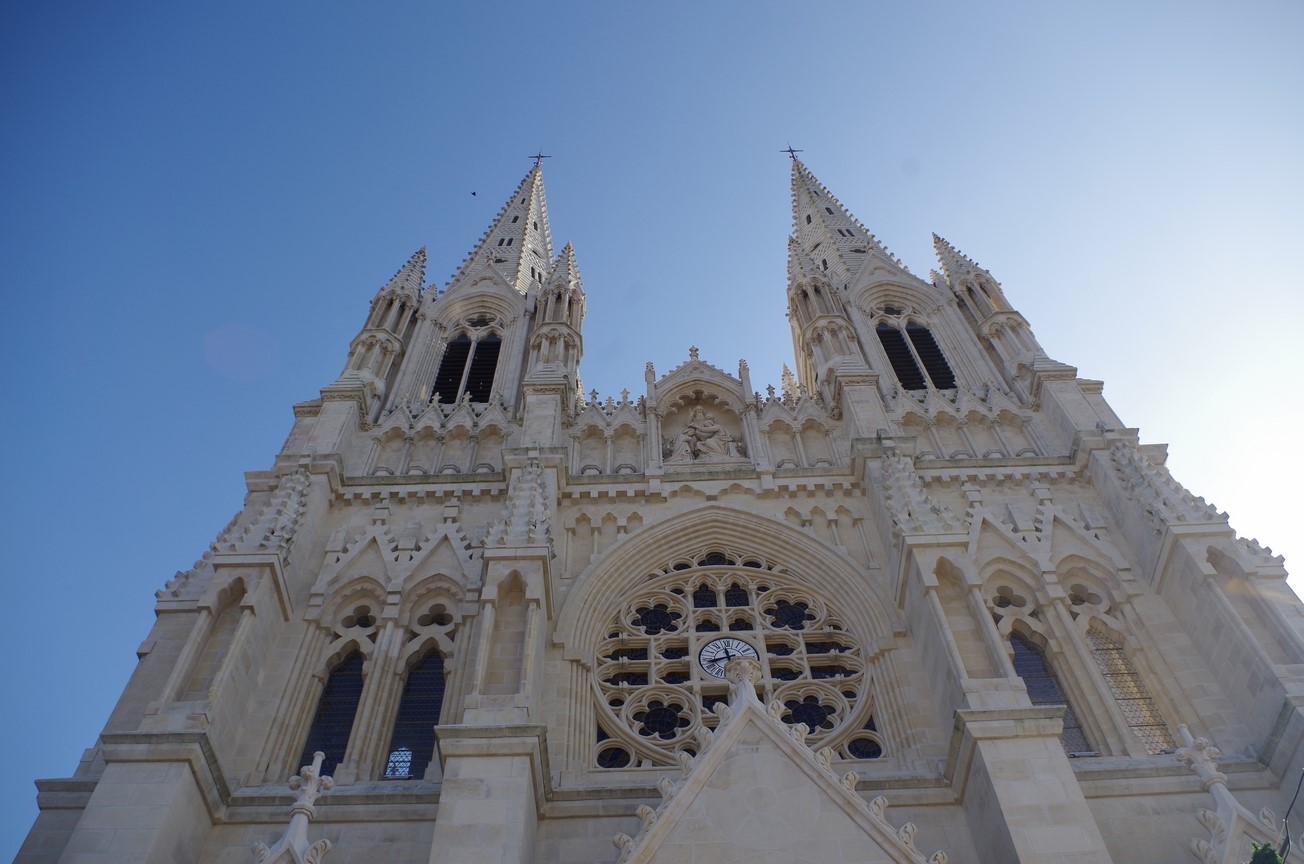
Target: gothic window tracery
pixel 652 692
pixel 912 351
pixel 1019 618
pixel 468 366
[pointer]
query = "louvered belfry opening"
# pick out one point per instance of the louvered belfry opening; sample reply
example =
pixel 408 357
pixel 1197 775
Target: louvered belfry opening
pixel 333 722
pixel 939 371
pixel 898 354
pixel 448 381
pixel 412 745
pixel 480 380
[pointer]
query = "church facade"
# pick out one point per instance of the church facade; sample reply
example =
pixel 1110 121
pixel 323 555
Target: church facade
pixel 928 600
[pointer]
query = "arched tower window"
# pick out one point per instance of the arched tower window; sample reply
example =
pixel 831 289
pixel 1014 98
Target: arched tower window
pixel 1129 691
pixel 912 351
pixel 468 367
pixel 333 722
pixel 1044 689
pixel 480 374
pixel 412 745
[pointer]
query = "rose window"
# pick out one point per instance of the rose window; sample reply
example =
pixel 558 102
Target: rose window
pixel 653 691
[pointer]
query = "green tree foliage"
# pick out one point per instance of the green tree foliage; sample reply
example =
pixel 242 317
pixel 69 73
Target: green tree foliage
pixel 1264 854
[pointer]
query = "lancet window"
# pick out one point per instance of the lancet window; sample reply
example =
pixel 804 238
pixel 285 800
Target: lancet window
pixel 1095 639
pixel 379 723
pixel 468 367
pixel 332 724
pixel 412 746
pixel 1044 689
pixel 912 351
pixel 653 690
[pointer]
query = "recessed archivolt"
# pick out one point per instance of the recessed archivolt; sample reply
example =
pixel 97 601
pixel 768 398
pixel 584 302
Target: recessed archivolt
pixel 474 301
pixel 873 299
pixel 712 395
pixel 835 576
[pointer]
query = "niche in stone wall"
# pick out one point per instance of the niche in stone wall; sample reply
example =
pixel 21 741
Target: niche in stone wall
pixel 217 645
pixel 425 449
pixel 507 650
pixel 488 450
pixel 700 429
pixel 389 452
pixel 457 451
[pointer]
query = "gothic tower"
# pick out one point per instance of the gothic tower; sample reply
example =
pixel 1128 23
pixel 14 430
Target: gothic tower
pixel 479 615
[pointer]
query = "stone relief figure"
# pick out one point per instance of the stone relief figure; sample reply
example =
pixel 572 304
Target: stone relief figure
pixel 702 439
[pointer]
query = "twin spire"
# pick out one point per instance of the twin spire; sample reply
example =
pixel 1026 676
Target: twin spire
pixel 827 240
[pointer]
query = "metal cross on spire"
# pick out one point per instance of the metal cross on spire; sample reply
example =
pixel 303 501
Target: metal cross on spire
pixel 791 152
pixel 539 157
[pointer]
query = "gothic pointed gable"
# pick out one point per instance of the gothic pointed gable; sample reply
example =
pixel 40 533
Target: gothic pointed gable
pixel 755 792
pixel 831 240
pixel 518 245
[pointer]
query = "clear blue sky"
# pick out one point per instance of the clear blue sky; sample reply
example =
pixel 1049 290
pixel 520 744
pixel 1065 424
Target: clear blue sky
pixel 199 201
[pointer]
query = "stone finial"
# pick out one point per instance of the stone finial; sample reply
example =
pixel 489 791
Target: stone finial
pixel 293 847
pixel 1231 825
pixel 1200 756
pixel 692 352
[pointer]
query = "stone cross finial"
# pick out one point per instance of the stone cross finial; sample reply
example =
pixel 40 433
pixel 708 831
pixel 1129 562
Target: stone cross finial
pixel 293 847
pixel 1200 755
pixel 692 352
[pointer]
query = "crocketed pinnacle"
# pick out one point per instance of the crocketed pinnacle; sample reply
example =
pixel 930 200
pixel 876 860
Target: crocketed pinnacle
pixel 411 277
pixel 565 271
pixel 955 264
pixel 835 241
pixel 518 243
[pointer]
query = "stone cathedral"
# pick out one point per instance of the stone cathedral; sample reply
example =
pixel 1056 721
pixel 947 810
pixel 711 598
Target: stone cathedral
pixel 930 600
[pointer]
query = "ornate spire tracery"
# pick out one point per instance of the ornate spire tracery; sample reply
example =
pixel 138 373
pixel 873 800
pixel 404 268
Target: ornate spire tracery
pixel 519 243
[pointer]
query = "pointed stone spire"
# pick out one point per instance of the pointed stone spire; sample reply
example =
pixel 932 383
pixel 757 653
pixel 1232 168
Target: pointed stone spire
pixel 833 239
pixel 961 271
pixel 955 264
pixel 518 243
pixel 565 271
pixel 411 277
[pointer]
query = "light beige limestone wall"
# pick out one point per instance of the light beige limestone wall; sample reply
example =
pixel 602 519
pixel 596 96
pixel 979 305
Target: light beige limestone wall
pixel 141 813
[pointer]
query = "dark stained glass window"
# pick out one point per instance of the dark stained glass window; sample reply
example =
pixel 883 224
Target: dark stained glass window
pixel 1044 689
pixel 333 722
pixel 412 745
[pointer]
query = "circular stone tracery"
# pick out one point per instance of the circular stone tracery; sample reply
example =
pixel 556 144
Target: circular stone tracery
pixel 652 693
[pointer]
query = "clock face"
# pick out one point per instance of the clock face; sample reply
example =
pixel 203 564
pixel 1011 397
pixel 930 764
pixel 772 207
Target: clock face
pixel 718 652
